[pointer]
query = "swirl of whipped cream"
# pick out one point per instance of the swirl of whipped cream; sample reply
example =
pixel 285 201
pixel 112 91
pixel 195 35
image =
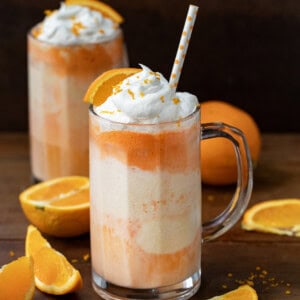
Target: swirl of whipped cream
pixel 74 24
pixel 146 98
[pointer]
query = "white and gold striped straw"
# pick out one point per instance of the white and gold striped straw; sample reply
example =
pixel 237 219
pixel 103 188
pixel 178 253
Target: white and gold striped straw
pixel 183 46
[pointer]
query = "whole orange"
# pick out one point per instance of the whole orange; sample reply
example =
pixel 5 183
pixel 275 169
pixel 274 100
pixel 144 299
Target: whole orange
pixel 218 162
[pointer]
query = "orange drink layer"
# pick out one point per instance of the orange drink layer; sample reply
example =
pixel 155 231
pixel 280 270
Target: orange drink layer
pixel 58 78
pixel 146 232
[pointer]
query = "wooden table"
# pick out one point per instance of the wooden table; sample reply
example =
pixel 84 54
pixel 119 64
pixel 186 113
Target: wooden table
pixel 270 262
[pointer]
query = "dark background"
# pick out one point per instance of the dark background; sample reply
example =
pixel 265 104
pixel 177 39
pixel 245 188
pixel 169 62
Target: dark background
pixel 243 52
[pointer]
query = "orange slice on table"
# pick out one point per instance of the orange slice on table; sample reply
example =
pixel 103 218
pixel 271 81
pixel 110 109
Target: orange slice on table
pixel 105 9
pixel 102 87
pixel 244 292
pixel 53 274
pixel 280 216
pixel 58 207
pixel 17 280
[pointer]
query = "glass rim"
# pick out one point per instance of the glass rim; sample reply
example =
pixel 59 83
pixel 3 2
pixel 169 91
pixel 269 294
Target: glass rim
pixel 119 32
pixel 164 123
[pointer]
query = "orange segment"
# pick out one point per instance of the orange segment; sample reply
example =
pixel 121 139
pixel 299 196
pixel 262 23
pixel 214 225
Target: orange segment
pixel 244 292
pixel 17 280
pixel 34 241
pixel 280 216
pixel 59 207
pixel 105 9
pixel 102 87
pixel 53 274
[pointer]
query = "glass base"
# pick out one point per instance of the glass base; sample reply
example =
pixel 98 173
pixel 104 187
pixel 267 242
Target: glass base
pixel 183 290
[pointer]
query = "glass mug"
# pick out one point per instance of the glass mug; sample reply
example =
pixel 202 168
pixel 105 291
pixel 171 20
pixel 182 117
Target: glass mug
pixel 146 228
pixel 58 77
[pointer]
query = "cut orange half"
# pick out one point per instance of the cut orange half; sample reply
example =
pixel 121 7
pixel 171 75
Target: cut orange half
pixel 53 274
pixel 244 292
pixel 102 87
pixel 280 216
pixel 58 207
pixel 105 9
pixel 17 280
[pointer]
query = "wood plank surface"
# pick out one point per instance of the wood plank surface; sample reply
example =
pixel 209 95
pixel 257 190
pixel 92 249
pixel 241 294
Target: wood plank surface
pixel 270 262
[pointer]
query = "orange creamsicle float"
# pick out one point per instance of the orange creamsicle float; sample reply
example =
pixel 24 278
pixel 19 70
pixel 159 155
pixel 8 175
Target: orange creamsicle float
pixel 66 51
pixel 145 180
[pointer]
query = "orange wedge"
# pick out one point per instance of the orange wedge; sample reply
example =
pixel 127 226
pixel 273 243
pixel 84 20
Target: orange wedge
pixel 58 207
pixel 102 87
pixel 280 216
pixel 17 280
pixel 53 274
pixel 244 292
pixel 105 9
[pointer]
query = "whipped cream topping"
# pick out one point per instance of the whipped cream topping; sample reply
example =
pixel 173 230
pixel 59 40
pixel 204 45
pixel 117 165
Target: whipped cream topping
pixel 74 24
pixel 147 98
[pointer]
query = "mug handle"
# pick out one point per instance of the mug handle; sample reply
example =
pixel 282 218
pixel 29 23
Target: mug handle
pixel 225 220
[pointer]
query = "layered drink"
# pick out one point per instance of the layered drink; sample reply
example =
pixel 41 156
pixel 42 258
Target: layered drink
pixel 145 187
pixel 66 51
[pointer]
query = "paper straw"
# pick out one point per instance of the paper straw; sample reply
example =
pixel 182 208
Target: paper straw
pixel 183 46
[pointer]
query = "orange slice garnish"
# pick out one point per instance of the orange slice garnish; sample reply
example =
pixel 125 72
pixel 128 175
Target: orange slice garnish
pixel 280 216
pixel 58 207
pixel 17 279
pixel 102 87
pixel 244 292
pixel 105 9
pixel 53 273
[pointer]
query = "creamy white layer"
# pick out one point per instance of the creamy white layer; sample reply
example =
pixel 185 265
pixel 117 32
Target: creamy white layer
pixel 75 25
pixel 164 206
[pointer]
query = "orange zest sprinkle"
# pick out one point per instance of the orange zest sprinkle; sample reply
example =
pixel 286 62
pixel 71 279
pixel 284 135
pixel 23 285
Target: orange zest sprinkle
pixel 102 31
pixel 76 27
pixel 176 101
pixel 131 93
pixel 37 31
pixel 48 12
pixel 86 257
pixel 108 112
pixel 11 253
pixel 142 94
pixel 162 98
pixel 181 47
pixel 190 18
pixel 184 33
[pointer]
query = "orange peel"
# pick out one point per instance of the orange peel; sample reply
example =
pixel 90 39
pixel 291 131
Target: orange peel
pixel 53 273
pixel 102 87
pixel 244 292
pixel 281 216
pixel 58 207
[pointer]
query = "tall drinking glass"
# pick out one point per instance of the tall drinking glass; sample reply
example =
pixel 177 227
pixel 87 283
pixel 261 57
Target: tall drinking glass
pixel 58 77
pixel 146 228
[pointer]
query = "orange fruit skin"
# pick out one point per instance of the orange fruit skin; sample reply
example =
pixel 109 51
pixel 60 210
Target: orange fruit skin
pixel 218 162
pixel 68 217
pixel 102 87
pixel 59 223
pixel 244 292
pixel 280 216
pixel 53 273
